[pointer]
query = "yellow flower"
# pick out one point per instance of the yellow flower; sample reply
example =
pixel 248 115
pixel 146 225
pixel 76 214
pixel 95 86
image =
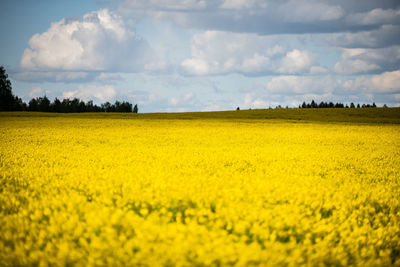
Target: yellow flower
pixel 120 191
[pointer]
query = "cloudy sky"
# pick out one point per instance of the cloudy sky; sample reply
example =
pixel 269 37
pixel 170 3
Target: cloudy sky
pixel 195 55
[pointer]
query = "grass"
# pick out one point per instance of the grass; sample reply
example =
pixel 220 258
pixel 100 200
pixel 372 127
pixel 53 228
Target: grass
pixel 343 115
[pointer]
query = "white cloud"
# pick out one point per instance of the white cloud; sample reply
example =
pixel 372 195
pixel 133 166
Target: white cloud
pixel 292 90
pixel 355 66
pixel 35 92
pixel 299 85
pixel 386 35
pixel 98 93
pixel 184 100
pixel 318 70
pixel 384 83
pixel 157 67
pixel 108 77
pixel 173 101
pixel 99 41
pixel 254 101
pixel 387 82
pixel 361 60
pixel 296 61
pixel 215 52
pixel 310 11
pixel 196 66
pixel 376 16
pixel 240 4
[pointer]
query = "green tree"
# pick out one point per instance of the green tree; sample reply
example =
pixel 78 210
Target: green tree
pixel 6 96
pixel 44 104
pixel 33 105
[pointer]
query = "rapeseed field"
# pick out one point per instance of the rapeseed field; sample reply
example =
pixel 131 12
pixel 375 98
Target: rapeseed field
pixel 117 191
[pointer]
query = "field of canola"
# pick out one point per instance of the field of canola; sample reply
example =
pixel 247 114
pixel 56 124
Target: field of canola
pixel 86 191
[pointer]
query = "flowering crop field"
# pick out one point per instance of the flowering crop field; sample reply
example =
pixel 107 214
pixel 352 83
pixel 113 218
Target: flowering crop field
pixel 125 190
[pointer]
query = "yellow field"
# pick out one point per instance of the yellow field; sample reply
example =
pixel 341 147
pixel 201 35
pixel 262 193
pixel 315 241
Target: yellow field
pixel 88 191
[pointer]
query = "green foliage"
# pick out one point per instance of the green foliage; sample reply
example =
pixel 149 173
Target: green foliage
pixel 8 101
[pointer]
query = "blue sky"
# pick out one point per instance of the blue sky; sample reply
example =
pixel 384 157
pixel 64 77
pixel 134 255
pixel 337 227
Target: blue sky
pixel 195 55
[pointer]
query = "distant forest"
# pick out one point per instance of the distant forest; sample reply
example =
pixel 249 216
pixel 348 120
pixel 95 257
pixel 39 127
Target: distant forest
pixel 323 104
pixel 9 102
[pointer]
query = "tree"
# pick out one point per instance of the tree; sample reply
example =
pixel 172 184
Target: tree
pixel 6 96
pixel 81 106
pixel 89 106
pixel 135 109
pixel 313 104
pixel 237 108
pixel 33 105
pixel 106 106
pixel 44 104
pixel 126 107
pixel 18 104
pixel 56 106
pixel 352 105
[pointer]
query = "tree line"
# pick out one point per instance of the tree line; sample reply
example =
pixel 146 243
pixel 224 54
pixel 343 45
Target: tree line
pixel 76 105
pixel 323 104
pixel 9 102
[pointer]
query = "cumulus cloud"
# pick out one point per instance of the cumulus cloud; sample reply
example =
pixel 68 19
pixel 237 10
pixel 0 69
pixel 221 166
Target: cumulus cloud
pixel 300 85
pixel 185 100
pixel 300 11
pixel 240 4
pixel 376 16
pixel 355 66
pixel 292 90
pixel 361 60
pixel 384 83
pixel 387 82
pixel 216 52
pixel 384 36
pixel 100 41
pixel 35 92
pixel 98 93
pixel 296 61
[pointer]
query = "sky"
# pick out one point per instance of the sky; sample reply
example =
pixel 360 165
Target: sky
pixel 203 55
